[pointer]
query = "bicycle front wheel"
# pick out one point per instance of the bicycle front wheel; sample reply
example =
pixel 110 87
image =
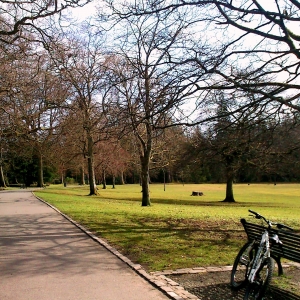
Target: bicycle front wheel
pixel 257 289
pixel 241 265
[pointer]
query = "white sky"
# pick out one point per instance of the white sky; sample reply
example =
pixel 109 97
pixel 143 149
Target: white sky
pixel 84 12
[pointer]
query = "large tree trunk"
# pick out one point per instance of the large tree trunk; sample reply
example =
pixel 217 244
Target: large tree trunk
pixel 91 170
pixel 40 177
pixel 229 176
pixel 145 180
pixel 229 190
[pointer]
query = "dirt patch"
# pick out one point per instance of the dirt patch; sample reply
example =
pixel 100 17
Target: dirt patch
pixel 215 285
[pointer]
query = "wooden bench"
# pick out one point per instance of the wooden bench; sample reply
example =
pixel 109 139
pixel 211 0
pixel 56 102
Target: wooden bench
pixel 289 249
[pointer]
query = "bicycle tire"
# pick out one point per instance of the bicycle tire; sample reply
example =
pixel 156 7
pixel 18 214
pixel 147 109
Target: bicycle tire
pixel 264 275
pixel 238 278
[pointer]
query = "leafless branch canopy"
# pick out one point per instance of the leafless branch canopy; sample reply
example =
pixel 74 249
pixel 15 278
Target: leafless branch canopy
pixel 17 14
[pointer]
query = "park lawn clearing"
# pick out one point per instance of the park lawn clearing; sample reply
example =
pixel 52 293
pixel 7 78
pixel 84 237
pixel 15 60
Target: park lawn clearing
pixel 178 230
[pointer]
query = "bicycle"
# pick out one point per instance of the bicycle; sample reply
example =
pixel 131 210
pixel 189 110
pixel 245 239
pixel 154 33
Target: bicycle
pixel 253 267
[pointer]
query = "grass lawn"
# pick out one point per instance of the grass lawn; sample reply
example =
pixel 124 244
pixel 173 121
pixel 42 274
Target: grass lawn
pixel 178 230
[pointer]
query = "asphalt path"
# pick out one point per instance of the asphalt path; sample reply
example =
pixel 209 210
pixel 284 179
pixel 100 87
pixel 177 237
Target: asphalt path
pixel 43 256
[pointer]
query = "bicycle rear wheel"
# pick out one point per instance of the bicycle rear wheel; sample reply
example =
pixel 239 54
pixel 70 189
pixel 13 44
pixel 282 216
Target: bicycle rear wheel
pixel 238 277
pixel 257 289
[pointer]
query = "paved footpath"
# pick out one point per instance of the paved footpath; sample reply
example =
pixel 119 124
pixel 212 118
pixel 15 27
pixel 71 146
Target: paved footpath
pixel 43 256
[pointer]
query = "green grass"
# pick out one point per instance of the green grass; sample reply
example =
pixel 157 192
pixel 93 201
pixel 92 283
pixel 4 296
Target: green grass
pixel 177 230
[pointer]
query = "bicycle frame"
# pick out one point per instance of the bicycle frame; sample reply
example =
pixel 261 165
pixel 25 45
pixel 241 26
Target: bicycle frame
pixel 260 256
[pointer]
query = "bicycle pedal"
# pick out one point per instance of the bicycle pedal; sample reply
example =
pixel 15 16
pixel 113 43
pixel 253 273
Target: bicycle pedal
pixel 244 260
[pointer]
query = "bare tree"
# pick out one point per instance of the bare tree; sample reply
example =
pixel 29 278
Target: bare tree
pixel 81 63
pixel 149 87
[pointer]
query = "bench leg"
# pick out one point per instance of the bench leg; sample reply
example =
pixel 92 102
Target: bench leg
pixel 280 269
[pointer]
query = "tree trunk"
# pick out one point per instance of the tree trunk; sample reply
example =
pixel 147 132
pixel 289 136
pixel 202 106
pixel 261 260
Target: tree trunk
pixel 104 179
pixel 122 178
pixel 40 178
pixel 91 170
pixel 113 181
pixel 2 179
pixel 170 177
pixel 229 190
pixel 145 180
pixel 81 178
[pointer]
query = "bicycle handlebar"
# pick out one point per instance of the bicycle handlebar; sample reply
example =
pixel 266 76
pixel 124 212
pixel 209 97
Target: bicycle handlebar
pixel 257 215
pixel 279 225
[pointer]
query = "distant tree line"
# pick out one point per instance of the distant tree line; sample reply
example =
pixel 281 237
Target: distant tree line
pixel 241 153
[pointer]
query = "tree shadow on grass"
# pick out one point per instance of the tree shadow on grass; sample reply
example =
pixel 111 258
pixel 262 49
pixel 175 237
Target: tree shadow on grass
pixel 200 202
pixel 144 238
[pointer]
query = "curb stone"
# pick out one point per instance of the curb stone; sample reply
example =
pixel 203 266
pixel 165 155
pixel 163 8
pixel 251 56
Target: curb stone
pixel 158 279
